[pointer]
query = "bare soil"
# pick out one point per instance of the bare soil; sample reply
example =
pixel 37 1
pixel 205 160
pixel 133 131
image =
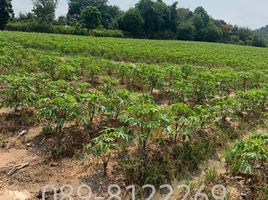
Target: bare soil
pixel 43 167
pixel 74 168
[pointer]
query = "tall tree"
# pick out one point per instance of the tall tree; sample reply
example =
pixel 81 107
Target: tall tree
pixel 205 28
pixel 212 33
pixel 108 12
pixel 158 16
pixel 185 31
pixel 132 22
pixel 6 12
pixel 149 15
pixel 25 17
pixel 200 21
pixel 91 17
pixel 44 10
pixel 184 14
pixel 173 16
pixel 258 41
pixel 263 32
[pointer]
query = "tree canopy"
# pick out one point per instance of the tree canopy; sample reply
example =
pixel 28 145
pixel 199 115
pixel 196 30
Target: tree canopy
pixel 132 22
pixel 90 17
pixel 44 10
pixel 6 12
pixel 108 12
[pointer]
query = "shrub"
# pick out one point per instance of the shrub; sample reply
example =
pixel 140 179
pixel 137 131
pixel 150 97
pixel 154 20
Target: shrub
pixel 70 30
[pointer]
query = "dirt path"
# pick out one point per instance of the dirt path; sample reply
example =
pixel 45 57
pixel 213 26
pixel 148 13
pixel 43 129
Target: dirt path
pixel 24 184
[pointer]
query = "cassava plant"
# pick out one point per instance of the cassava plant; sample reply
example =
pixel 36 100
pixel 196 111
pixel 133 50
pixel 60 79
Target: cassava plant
pixel 179 122
pixel 108 84
pixel 145 118
pixel 48 64
pixel 66 72
pixel 226 107
pixel 247 153
pixel 179 91
pixel 103 145
pixel 118 101
pixel 92 70
pixel 92 104
pixel 253 101
pixel 204 86
pixel 58 110
pixel 124 72
pixel 153 77
pixel 17 91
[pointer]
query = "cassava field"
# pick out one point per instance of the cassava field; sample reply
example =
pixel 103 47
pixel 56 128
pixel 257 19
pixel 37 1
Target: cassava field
pixel 120 118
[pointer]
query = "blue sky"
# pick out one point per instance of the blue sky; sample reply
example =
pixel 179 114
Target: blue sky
pixel 248 13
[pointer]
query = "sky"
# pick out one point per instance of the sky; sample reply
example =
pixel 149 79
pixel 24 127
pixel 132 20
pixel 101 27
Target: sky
pixel 246 13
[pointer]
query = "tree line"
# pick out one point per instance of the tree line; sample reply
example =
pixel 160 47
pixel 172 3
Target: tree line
pixel 263 32
pixel 147 19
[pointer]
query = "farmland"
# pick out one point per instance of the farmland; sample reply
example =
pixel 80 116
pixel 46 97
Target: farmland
pixel 101 111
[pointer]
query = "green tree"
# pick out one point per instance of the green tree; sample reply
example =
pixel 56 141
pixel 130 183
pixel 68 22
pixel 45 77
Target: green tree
pixel 25 17
pixel 44 10
pixel 212 33
pixel 158 16
pixel 185 31
pixel 6 12
pixel 91 17
pixel 200 20
pixel 245 34
pixel 148 14
pixel 262 32
pixel 62 21
pixel 132 22
pixel 258 41
pixel 108 12
pixel 184 14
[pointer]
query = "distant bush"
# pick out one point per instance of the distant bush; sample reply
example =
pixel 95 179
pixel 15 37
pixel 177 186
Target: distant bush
pixel 70 30
pixel 106 33
pixel 28 27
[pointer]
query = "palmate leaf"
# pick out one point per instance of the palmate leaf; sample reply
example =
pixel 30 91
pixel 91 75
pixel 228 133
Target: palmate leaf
pixel 107 141
pixel 19 90
pixel 243 156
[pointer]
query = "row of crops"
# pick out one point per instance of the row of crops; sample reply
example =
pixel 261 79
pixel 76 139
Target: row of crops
pixel 162 120
pixel 145 51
